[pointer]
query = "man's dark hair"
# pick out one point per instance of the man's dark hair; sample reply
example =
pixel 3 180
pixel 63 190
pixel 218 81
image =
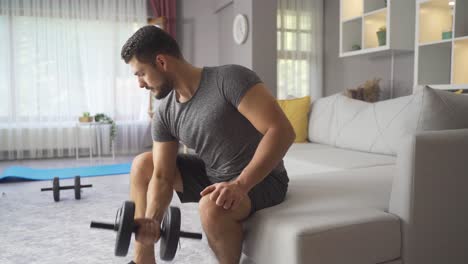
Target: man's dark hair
pixel 147 43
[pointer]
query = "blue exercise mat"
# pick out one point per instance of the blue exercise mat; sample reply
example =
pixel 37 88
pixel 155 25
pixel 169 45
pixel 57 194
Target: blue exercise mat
pixel 64 173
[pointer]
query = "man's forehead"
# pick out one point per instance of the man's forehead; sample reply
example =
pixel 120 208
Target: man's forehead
pixel 135 65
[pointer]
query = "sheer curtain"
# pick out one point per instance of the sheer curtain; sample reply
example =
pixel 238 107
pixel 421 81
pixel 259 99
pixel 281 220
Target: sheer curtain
pixel 300 34
pixel 61 58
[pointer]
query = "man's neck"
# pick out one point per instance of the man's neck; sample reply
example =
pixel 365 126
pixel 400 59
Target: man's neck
pixel 186 82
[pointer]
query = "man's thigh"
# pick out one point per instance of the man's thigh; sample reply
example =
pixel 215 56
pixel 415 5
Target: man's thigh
pixel 269 192
pixel 193 177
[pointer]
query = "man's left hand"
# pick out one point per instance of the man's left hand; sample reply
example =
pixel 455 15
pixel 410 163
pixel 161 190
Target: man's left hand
pixel 226 194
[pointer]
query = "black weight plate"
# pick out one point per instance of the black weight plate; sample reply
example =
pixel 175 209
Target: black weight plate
pixel 56 189
pixel 170 232
pixel 125 225
pixel 77 188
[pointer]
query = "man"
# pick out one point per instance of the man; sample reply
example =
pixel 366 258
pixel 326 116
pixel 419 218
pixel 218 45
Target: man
pixel 235 126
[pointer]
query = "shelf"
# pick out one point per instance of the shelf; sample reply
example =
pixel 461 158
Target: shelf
pixel 460 62
pixel 372 5
pixel 366 51
pixel 351 19
pixel 461 18
pixel 360 20
pixel 435 18
pixel 435 42
pixel 351 9
pixel 372 24
pixel 351 35
pixel 376 11
pixel 461 38
pixel 434 63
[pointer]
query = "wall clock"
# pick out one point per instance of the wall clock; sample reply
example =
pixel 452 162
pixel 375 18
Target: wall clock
pixel 240 29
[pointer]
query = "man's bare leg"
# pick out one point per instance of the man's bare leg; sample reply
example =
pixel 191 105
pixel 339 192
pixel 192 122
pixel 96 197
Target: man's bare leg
pixel 223 228
pixel 140 176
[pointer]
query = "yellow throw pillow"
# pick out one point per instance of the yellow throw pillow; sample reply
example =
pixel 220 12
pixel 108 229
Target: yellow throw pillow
pixel 296 111
pixel 459 91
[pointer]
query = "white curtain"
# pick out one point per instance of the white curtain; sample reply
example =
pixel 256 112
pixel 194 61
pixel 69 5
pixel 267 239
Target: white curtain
pixel 300 35
pixel 60 58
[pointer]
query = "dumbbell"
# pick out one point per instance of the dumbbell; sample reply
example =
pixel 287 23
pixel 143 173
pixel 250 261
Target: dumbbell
pixel 56 188
pixel 125 226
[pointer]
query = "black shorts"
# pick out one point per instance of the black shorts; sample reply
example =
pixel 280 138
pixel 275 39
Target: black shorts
pixel 269 192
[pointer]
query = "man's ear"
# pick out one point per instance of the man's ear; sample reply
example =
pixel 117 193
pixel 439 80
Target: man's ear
pixel 161 62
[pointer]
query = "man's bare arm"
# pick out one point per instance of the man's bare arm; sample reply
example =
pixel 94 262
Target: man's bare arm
pixel 262 110
pixel 161 185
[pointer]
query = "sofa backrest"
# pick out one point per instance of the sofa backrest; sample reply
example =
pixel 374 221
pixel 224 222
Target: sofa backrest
pixel 379 127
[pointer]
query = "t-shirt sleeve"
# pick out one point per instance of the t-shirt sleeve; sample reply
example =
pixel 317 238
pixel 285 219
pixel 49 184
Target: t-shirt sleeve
pixel 160 131
pixel 234 81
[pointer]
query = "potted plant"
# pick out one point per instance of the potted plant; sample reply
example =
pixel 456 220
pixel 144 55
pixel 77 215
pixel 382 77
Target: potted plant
pixel 356 47
pixel 382 35
pixel 105 119
pixel 86 118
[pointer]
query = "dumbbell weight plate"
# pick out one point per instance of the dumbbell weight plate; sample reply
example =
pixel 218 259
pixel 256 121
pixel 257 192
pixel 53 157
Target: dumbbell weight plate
pixel 170 232
pixel 56 189
pixel 77 188
pixel 124 225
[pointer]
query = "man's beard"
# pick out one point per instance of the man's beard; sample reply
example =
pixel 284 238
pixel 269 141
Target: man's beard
pixel 164 89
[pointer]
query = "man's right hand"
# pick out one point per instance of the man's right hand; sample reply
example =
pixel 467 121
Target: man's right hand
pixel 148 232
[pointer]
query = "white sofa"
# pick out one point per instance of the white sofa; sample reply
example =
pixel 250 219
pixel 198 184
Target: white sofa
pixel 378 183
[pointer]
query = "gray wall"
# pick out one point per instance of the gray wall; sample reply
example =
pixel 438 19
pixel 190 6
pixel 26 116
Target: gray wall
pixel 349 72
pixel 197 32
pixel 205 35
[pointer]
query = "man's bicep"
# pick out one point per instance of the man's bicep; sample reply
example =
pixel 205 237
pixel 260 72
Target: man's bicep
pixel 164 158
pixel 262 110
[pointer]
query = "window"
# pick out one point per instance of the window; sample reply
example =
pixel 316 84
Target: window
pixel 53 69
pixel 294 53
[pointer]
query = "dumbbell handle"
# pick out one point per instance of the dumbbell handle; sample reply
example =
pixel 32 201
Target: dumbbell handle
pixel 190 235
pixel 67 187
pixel 102 225
pixel 112 227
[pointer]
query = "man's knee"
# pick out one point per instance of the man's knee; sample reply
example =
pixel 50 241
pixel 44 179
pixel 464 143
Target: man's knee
pixel 142 167
pixel 210 213
pixel 209 210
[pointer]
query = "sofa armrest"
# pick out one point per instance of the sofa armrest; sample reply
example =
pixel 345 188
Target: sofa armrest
pixel 430 195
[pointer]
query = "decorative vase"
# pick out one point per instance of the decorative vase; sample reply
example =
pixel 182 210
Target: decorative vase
pixel 447 34
pixel 382 37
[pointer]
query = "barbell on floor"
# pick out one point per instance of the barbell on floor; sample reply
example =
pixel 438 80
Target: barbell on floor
pixel 56 188
pixel 125 226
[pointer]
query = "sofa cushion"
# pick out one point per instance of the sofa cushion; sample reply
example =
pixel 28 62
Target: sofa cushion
pixel 303 159
pixel 297 111
pixel 379 127
pixel 332 217
pixel 443 110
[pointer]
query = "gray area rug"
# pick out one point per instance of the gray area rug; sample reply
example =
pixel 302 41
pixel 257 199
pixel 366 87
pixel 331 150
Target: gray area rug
pixel 35 229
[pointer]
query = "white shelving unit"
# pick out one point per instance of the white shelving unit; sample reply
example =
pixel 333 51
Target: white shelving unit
pixel 441 44
pixel 360 20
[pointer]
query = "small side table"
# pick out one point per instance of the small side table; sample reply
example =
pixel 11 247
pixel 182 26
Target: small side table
pixel 94 133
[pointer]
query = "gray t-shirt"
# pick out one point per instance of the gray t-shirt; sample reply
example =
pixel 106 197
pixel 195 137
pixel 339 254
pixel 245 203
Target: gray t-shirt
pixel 210 123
